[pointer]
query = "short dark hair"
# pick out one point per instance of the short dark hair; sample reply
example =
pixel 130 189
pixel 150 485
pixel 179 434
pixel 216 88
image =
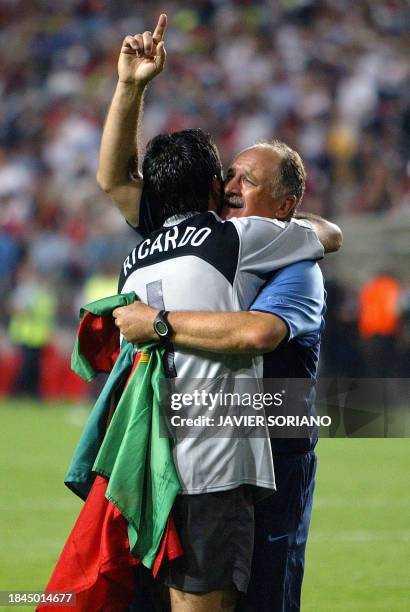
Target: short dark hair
pixel 178 170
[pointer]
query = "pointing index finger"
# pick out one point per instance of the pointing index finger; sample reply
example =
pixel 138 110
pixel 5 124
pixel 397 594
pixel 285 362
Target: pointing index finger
pixel 160 28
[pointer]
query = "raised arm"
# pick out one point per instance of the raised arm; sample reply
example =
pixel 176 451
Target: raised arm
pixel 142 57
pixel 329 234
pixel 225 332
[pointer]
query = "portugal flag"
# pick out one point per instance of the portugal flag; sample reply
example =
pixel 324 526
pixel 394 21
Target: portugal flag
pixel 124 472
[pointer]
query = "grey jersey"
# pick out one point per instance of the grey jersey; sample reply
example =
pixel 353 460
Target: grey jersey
pixel 204 263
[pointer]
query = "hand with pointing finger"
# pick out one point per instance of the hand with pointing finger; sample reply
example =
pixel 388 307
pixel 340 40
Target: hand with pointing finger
pixel 142 56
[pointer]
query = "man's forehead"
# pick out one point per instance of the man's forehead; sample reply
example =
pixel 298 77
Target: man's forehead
pixel 254 157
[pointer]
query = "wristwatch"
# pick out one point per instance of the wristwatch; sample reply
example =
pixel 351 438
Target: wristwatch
pixel 161 326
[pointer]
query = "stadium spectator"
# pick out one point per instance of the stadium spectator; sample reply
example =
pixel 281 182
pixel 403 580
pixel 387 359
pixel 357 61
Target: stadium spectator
pixel 379 323
pixel 341 354
pixel 330 78
pixel 33 308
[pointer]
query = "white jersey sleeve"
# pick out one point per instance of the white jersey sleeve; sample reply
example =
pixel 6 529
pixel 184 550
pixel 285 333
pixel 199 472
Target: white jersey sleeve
pixel 269 244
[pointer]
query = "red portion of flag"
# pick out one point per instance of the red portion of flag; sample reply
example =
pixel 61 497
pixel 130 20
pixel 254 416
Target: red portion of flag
pixel 99 340
pixel 96 563
pixel 171 547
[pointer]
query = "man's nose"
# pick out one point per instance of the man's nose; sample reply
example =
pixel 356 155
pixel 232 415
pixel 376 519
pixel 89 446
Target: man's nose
pixel 232 186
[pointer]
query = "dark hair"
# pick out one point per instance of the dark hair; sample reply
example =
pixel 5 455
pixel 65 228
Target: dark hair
pixel 178 170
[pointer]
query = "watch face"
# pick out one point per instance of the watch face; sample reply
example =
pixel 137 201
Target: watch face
pixel 161 328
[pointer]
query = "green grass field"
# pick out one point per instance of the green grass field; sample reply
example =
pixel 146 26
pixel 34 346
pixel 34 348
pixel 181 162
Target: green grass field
pixel 358 556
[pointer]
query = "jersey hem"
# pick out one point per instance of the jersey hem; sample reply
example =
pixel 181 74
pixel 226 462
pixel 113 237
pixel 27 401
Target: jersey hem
pixel 229 486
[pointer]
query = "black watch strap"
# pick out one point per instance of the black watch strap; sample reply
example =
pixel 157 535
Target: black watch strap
pixel 161 326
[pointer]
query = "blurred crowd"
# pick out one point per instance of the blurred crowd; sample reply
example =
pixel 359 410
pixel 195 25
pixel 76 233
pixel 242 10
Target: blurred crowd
pixel 329 77
pixel 367 329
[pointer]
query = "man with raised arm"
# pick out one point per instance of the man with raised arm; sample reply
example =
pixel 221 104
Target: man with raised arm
pixel 267 180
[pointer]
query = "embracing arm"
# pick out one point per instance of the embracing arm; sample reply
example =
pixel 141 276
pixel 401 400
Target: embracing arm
pixel 249 332
pixel 329 234
pixel 142 57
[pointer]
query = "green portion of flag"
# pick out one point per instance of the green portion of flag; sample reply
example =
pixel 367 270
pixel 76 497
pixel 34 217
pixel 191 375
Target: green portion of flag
pixel 108 304
pixel 138 462
pixel 80 477
pixel 80 364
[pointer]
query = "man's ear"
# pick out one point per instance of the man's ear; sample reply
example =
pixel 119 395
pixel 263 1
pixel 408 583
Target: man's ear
pixel 286 208
pixel 216 195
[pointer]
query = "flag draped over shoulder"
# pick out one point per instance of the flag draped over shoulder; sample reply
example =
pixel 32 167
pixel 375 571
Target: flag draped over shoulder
pixel 125 473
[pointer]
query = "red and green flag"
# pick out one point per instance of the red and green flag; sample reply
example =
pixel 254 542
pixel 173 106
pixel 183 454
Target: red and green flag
pixel 124 472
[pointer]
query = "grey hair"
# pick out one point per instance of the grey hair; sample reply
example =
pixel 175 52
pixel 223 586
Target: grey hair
pixel 292 176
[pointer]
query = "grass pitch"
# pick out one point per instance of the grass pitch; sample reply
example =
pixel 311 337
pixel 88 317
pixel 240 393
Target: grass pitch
pixel 358 553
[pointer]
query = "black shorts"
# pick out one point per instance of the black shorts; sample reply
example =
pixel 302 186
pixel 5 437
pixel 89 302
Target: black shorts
pixel 217 534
